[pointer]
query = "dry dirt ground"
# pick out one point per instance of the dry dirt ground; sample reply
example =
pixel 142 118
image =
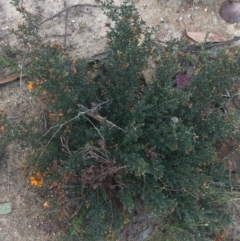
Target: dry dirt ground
pixel 85 37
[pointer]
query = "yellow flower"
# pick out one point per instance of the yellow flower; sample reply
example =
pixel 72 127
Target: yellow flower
pixel 31 85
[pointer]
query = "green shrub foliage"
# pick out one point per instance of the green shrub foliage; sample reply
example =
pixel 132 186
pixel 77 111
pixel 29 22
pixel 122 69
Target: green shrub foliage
pixel 152 151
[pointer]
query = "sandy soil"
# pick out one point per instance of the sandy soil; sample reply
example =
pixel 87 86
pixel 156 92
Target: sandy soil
pixel 86 33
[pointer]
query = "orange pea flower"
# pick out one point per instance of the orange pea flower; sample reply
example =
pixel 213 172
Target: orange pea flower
pixel 36 180
pixel 31 85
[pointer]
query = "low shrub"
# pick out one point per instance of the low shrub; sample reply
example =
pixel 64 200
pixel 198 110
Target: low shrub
pixel 114 146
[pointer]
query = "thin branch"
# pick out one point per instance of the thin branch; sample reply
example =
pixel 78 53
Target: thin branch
pixel 22 65
pixel 94 127
pixel 59 35
pixel 230 181
pixel 66 21
pixel 64 142
pixel 61 11
pixel 59 127
pixel 12 117
pixel 73 35
pixel 49 142
pixel 45 121
pixel 7 34
pixel 181 190
pixel 73 6
pixel 99 118
pixel 88 112
pixel 196 47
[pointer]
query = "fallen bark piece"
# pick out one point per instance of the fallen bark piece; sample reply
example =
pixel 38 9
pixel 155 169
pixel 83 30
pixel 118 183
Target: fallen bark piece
pixel 5 208
pixel 91 112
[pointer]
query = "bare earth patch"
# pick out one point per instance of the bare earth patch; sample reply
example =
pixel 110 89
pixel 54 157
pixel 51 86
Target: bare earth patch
pixel 86 34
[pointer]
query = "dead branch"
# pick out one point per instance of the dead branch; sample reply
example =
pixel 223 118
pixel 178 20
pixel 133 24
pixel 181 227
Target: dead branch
pixel 103 171
pixel 88 112
pixel 61 11
pixel 22 65
pixel 45 122
pixel 72 36
pixel 94 127
pixel 98 57
pixel 99 118
pixel 65 32
pixel 65 146
pixel 73 6
pixel 196 47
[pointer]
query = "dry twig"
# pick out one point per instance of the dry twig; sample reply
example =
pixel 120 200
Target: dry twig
pixel 99 118
pixel 87 111
pixel 73 6
pixel 65 32
pixel 22 65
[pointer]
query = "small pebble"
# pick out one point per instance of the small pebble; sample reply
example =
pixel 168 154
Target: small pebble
pixel 174 120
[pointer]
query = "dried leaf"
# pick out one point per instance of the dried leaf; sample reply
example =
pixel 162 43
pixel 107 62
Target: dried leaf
pixel 74 70
pixel 62 213
pixel 219 237
pixel 230 11
pixel 74 61
pixel 54 185
pixel 51 115
pixel 202 37
pixel 67 129
pixel 9 78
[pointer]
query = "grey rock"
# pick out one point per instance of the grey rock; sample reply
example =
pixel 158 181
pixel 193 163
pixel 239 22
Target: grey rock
pixel 5 208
